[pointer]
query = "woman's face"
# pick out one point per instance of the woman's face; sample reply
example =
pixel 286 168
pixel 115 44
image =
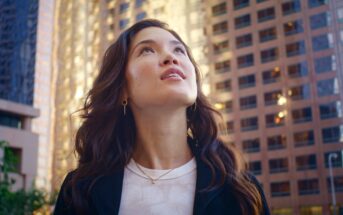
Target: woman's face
pixel 159 72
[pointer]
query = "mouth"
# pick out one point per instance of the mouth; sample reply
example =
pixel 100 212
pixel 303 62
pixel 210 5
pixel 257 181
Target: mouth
pixel 172 73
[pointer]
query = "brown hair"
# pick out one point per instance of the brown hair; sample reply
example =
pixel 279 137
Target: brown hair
pixel 106 138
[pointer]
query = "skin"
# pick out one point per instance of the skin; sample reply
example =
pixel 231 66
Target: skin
pixel 159 106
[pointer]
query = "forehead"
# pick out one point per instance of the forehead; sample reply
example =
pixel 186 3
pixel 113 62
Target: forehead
pixel 152 33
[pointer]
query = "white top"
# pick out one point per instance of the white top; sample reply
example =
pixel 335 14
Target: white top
pixel 173 193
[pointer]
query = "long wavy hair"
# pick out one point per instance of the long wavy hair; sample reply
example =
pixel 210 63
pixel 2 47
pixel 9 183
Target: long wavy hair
pixel 106 138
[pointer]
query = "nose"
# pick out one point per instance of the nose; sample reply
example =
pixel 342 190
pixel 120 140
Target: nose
pixel 169 59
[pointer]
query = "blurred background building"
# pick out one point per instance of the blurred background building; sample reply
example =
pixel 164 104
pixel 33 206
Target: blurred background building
pixel 276 70
pixel 25 58
pixel 273 68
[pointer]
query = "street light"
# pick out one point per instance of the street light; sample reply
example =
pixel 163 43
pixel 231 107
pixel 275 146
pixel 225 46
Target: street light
pixel 333 193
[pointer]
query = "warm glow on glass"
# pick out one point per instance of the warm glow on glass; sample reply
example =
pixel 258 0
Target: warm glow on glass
pixel 219 106
pixel 281 100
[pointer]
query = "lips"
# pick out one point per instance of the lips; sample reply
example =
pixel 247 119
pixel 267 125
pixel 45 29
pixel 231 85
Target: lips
pixel 172 72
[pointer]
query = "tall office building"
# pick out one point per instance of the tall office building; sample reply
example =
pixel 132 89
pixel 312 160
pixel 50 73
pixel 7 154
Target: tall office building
pixel 276 74
pixel 18 31
pixel 83 31
pixel 25 86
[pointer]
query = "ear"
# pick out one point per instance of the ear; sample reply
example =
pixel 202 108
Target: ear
pixel 125 93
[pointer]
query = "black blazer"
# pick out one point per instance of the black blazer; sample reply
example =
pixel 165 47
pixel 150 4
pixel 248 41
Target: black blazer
pixel 106 194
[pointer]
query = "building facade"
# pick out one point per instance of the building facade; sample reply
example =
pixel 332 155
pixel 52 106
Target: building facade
pixel 18 24
pixel 276 77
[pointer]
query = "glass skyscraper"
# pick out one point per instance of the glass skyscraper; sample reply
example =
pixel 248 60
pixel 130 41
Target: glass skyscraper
pixel 18 30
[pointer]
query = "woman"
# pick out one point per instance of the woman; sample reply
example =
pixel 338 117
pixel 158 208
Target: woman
pixel 149 142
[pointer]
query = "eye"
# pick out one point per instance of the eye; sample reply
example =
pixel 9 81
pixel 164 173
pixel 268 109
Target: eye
pixel 180 50
pixel 146 50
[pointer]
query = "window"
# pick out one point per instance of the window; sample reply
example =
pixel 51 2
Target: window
pixel 325 64
pixel 223 66
pixel 246 81
pixel 139 3
pixel 255 167
pixel 277 142
pixel 243 41
pixel 274 120
pixel 269 55
pixel 294 49
pixel 335 162
pixel 267 34
pixel 238 4
pixel 291 7
pixel 278 165
pixel 338 183
pixel 271 98
pixel 327 87
pixel 306 162
pixel 245 61
pixel 219 9
pixel 311 209
pixel 15 164
pixel 300 92
pixel 10 120
pixel 228 106
pixel 297 70
pixel 271 75
pixel 266 14
pixel 221 47
pixel 282 211
pixel 293 27
pixel 220 28
pixel 140 16
pixel 316 3
pixel 340 14
pixel 242 21
pixel 251 145
pixel 248 102
pixel 332 134
pixel 230 127
pixel 123 23
pixel 330 110
pixel 308 187
pixel 303 138
pixel 322 42
pixel 124 7
pixel 259 1
pixel 302 115
pixel 320 20
pixel 280 188
pixel 249 124
pixel 223 86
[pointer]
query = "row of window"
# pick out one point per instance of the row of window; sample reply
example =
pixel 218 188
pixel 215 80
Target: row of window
pixel 296 70
pixel 287 7
pixel 123 23
pixel 303 162
pixel 305 187
pixel 326 87
pixel 319 43
pixel 300 139
pixel 123 7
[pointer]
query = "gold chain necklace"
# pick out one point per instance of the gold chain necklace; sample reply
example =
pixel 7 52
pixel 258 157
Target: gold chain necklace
pixel 153 180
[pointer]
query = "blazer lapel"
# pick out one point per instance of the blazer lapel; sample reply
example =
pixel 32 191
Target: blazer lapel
pixel 204 177
pixel 106 193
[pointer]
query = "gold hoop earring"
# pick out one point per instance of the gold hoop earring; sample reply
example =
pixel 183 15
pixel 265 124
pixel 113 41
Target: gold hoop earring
pixel 124 103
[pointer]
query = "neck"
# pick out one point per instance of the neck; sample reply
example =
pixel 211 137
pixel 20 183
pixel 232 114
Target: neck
pixel 161 140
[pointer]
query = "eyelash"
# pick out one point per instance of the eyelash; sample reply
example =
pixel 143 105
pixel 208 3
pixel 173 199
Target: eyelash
pixel 148 49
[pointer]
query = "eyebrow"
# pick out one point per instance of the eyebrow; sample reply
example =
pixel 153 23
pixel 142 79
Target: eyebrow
pixel 149 41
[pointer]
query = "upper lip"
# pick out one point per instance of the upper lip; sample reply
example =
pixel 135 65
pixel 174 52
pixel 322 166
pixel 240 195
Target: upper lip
pixel 171 71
